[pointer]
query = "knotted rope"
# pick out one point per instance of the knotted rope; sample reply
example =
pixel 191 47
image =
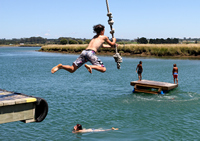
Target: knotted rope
pixel 117 56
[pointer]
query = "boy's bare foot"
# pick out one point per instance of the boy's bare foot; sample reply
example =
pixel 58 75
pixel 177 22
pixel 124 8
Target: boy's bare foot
pixel 88 68
pixel 56 68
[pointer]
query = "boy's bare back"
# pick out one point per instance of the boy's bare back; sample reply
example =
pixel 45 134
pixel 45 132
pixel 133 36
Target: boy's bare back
pixel 175 69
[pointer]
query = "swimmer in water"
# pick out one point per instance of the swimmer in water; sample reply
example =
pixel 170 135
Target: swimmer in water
pixel 78 129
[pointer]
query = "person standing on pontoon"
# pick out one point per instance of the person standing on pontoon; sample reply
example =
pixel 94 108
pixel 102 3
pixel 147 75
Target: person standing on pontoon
pixel 175 73
pixel 139 70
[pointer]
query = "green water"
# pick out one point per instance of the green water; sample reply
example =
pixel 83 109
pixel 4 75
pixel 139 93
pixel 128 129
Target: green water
pixel 102 100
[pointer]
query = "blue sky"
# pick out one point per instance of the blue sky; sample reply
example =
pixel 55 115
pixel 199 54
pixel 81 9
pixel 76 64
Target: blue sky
pixel 75 18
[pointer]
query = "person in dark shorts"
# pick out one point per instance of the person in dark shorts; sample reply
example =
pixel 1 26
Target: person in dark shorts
pixel 89 54
pixel 139 70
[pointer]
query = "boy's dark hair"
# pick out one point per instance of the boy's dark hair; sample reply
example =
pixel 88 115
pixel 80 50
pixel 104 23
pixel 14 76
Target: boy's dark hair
pixel 174 65
pixel 79 126
pixel 140 62
pixel 98 28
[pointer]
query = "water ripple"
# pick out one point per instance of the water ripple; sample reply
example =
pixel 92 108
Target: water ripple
pixel 102 100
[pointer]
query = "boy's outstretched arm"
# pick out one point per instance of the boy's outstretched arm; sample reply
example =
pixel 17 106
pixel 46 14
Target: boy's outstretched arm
pixel 109 42
pixel 107 46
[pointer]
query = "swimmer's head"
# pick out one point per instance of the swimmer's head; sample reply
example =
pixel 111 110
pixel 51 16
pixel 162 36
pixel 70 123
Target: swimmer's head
pixel 140 62
pixel 98 28
pixel 174 65
pixel 78 127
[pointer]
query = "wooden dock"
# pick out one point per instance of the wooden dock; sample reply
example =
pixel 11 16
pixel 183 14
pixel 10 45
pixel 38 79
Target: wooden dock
pixel 20 107
pixel 153 87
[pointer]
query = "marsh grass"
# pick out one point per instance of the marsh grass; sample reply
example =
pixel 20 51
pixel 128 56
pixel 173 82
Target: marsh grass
pixel 134 49
pixel 162 49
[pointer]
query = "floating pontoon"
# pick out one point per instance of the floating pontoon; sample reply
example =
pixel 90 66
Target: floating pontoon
pixel 153 87
pixel 20 107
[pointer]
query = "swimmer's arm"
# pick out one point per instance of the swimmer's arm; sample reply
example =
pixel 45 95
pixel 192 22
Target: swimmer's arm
pixel 111 129
pixel 101 130
pixel 114 128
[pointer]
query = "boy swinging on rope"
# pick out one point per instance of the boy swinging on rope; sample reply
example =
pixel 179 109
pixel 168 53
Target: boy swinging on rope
pixel 89 53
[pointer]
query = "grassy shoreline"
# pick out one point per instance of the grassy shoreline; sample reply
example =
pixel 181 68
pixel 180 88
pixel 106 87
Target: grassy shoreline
pixel 143 50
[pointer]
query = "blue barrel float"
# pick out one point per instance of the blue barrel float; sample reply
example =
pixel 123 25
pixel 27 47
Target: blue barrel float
pixel 21 107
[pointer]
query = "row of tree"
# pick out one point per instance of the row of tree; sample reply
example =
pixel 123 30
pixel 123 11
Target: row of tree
pixel 61 40
pixel 143 40
pixel 31 40
pixel 64 41
pixel 40 40
pixel 69 40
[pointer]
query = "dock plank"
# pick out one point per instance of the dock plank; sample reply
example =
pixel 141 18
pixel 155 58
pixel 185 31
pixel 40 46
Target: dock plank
pixel 21 107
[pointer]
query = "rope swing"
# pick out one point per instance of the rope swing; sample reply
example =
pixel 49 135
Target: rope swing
pixel 117 57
